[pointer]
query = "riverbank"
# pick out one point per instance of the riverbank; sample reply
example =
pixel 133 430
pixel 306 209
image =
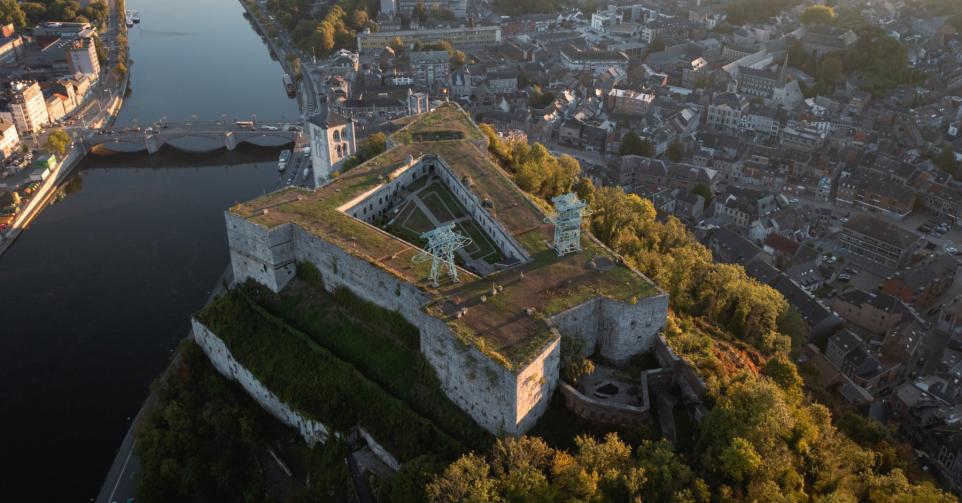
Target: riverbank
pixel 282 47
pixel 120 483
pixel 60 173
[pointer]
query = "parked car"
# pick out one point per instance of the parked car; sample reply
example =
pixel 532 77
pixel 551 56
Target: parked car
pixel 844 277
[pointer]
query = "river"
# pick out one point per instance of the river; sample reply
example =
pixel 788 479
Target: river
pixel 98 292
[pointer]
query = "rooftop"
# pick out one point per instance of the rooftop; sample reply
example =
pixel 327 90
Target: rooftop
pixel 511 326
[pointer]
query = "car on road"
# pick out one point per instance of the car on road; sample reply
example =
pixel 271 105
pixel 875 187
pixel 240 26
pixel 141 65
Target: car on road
pixel 844 277
pixel 951 249
pixel 265 127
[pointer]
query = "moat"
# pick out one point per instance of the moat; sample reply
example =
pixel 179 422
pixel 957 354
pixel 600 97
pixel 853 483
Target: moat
pixel 99 290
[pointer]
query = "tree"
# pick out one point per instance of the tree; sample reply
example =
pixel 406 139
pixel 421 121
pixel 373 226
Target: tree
pixel 781 370
pixel 397 46
pixel 574 365
pixel 704 191
pixel 829 71
pixel 359 19
pixel 657 45
pixel 10 12
pixel 946 161
pixel 817 14
pixel 632 144
pixel 372 146
pixel 740 460
pixel 675 152
pixel 468 479
pixel 420 12
pixel 58 143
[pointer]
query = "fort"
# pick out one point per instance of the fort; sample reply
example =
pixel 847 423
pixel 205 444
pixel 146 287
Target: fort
pixel 493 337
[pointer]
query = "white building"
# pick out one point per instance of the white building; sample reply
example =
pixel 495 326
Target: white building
pixel 332 142
pixel 82 58
pixel 594 61
pixel 9 139
pixel 28 107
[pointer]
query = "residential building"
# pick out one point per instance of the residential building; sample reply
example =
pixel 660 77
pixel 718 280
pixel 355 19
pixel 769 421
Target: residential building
pixel 627 102
pixel 923 283
pixel 757 82
pixel 430 67
pixel 725 111
pixel 9 139
pixel 467 37
pixel 879 241
pixel 28 107
pixel 82 58
pixel 875 312
pixel 594 61
pixel 11 44
pixel 864 190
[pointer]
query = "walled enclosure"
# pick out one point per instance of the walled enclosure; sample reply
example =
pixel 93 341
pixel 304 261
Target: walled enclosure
pixel 494 342
pixel 500 400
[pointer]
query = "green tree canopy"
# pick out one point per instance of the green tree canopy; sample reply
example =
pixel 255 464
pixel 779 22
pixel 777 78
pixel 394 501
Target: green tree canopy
pixel 817 14
pixel 11 13
pixel 58 143
pixel 632 144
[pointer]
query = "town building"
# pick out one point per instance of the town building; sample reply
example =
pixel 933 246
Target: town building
pixel 594 61
pixel 725 111
pixel 82 58
pixel 28 107
pixel 923 283
pixel 879 241
pixel 9 139
pixel 11 45
pixel 468 37
pixel 332 142
pixel 430 67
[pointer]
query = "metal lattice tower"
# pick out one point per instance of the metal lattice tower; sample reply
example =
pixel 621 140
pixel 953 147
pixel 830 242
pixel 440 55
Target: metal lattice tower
pixel 442 243
pixel 569 211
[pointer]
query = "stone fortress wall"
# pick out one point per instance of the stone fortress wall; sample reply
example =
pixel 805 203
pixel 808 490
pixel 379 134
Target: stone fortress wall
pixel 311 431
pixel 615 330
pixel 500 400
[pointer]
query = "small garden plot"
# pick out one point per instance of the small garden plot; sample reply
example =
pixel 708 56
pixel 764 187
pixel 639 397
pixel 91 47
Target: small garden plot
pixel 481 247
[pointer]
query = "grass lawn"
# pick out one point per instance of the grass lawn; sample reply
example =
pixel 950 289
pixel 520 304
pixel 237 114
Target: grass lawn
pixel 451 203
pixel 437 208
pixel 416 221
pixel 484 248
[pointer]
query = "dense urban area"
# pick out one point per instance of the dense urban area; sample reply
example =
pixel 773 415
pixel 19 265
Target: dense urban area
pixel 562 250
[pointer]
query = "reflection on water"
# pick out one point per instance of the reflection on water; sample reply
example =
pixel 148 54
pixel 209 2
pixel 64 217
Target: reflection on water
pixel 97 292
pixel 95 295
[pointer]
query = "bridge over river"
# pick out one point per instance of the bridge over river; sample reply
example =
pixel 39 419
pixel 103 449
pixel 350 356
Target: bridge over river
pixel 216 134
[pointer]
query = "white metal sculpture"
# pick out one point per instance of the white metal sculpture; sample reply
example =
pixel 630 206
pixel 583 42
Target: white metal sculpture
pixel 569 211
pixel 442 243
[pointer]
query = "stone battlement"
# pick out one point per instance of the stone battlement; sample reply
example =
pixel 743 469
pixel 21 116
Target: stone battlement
pixel 494 338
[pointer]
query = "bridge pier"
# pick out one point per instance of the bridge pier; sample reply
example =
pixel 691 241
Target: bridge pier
pixel 153 143
pixel 230 141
